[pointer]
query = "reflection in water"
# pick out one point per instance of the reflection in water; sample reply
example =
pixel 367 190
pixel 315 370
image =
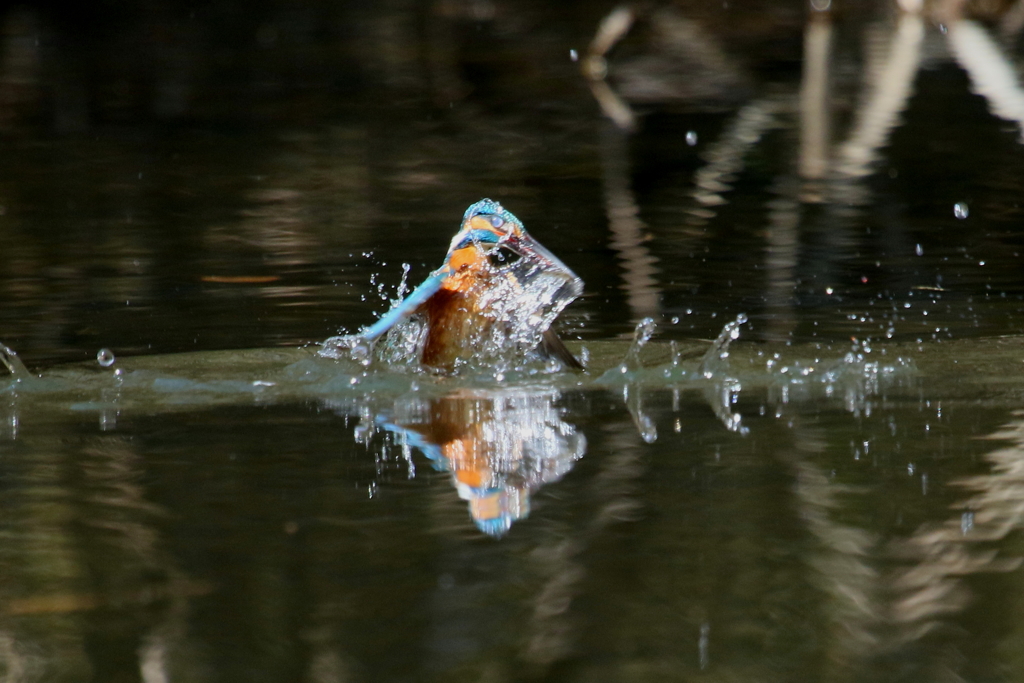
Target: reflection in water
pixel 80 546
pixel 939 557
pixel 841 564
pixel 992 74
pixel 499 446
pixel 627 228
pixel 595 67
pixel 829 191
pixel 891 82
pixel 560 558
pixel 793 541
pixel 895 598
pixel 814 96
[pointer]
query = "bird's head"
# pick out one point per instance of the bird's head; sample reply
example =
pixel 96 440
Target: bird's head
pixel 492 236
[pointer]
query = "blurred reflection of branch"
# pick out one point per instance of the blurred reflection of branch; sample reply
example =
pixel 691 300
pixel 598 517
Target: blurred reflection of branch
pixel 613 106
pixel 891 86
pixel 89 544
pixel 991 73
pixel 944 554
pixel 782 247
pixel 20 64
pixel 814 96
pixel 1012 22
pixel 841 568
pixel 16 662
pixel 627 229
pixel 997 508
pixel 681 63
pixel 595 66
pixel 874 617
pixel 725 157
pixel 551 631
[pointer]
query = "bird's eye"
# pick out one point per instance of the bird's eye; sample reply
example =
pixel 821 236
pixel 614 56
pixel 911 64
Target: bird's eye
pixel 497 221
pixel 502 256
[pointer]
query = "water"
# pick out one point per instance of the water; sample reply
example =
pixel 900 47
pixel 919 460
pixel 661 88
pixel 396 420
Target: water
pixel 827 491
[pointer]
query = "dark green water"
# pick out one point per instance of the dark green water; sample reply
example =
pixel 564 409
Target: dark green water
pixel 206 191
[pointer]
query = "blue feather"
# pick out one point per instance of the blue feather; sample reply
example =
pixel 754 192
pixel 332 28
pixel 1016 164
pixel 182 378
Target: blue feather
pixel 408 305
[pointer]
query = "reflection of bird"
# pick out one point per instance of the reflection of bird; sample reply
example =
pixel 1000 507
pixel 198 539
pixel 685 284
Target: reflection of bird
pixel 500 446
pixel 497 286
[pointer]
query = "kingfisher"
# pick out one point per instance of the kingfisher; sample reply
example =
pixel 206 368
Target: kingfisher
pixel 495 296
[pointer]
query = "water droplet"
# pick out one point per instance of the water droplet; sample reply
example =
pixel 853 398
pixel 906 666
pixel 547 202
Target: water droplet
pixel 829 290
pixel 960 210
pixel 105 358
pixel 574 56
pixel 919 250
pixel 691 137
pixel 361 351
pixel 363 432
pixel 966 522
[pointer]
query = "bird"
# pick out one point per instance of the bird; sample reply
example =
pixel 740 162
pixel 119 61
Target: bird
pixel 497 293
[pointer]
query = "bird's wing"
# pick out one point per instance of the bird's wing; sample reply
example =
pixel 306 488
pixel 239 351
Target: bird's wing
pixel 417 298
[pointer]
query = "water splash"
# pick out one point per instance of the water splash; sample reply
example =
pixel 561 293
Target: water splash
pixel 856 377
pixel 722 395
pixel 348 347
pixel 504 315
pixel 403 285
pixel 632 396
pixel 9 359
pixel 642 334
pixel 714 360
